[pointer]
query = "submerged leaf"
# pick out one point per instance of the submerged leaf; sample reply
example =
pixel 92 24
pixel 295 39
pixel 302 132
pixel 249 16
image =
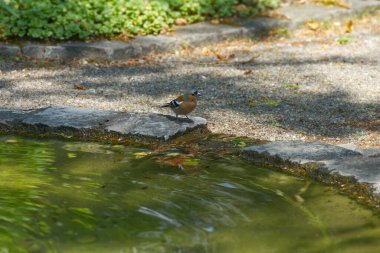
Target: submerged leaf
pixel 71 155
pixel 44 227
pixel 173 161
pixel 84 224
pixel 191 162
pixel 299 198
pixel 139 155
pixel 82 210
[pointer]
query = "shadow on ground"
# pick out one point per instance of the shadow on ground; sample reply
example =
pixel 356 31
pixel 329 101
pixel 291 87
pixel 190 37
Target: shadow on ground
pixel 333 114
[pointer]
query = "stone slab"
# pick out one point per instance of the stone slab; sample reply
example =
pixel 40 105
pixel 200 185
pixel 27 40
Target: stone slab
pixel 9 50
pixel 7 116
pixel 79 118
pixel 370 152
pixel 298 16
pixel 302 152
pixel 363 169
pixel 154 125
pixel 99 50
pixel 333 159
pixel 34 50
pixel 204 32
pixel 151 125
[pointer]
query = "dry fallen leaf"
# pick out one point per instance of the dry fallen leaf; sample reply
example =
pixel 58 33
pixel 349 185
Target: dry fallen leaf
pixel 312 25
pixel 349 26
pixel 231 56
pixel 220 57
pixel 205 51
pixel 242 8
pixel 215 21
pixel 180 21
pixel 340 3
pixel 278 15
pixel 252 59
pixel 247 72
pixel 174 161
pixel 79 87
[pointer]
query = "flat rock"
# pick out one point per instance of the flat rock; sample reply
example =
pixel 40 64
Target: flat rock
pixel 205 33
pixel 79 118
pixel 99 50
pixel 363 169
pixel 154 125
pixel 370 152
pixel 299 14
pixel 151 125
pixel 7 116
pixel 144 45
pixel 333 159
pixel 302 152
pixel 9 50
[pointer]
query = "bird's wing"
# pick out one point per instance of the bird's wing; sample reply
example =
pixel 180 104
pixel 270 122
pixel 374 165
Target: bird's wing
pixel 180 98
pixel 178 101
pixel 175 103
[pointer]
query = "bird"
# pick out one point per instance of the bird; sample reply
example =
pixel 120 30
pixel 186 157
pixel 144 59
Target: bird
pixel 184 104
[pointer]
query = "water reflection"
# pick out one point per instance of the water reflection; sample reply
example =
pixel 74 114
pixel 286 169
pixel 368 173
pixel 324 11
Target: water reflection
pixel 82 197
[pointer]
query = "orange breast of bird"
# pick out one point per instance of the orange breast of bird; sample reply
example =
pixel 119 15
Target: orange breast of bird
pixel 189 102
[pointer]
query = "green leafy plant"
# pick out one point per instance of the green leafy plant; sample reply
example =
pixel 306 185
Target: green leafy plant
pixel 344 40
pixel 281 32
pixel 4 6
pixel 83 19
pixel 270 102
pixel 292 86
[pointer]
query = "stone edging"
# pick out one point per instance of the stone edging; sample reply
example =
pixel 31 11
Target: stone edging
pixel 57 120
pixel 363 166
pixel 192 35
pixel 356 165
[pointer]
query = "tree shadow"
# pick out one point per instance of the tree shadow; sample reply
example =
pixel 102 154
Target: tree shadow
pixel 327 114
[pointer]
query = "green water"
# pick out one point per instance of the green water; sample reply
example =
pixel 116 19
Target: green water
pixel 85 197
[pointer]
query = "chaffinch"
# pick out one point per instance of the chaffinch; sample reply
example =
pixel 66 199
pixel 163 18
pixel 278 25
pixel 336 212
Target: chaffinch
pixel 184 104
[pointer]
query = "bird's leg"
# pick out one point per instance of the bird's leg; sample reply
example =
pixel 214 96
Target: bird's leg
pixel 176 116
pixel 187 117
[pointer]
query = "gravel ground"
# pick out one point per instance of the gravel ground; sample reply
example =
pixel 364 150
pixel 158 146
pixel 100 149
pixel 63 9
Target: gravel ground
pixel 304 86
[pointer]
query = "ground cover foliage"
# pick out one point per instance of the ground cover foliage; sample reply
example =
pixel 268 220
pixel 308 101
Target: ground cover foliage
pixel 83 19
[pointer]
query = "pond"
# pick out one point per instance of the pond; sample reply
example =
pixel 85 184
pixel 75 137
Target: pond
pixel 59 196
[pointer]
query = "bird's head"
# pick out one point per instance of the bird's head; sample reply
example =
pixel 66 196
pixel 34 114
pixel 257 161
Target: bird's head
pixel 197 93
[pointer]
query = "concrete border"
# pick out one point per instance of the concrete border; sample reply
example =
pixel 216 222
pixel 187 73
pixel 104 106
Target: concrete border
pixel 191 35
